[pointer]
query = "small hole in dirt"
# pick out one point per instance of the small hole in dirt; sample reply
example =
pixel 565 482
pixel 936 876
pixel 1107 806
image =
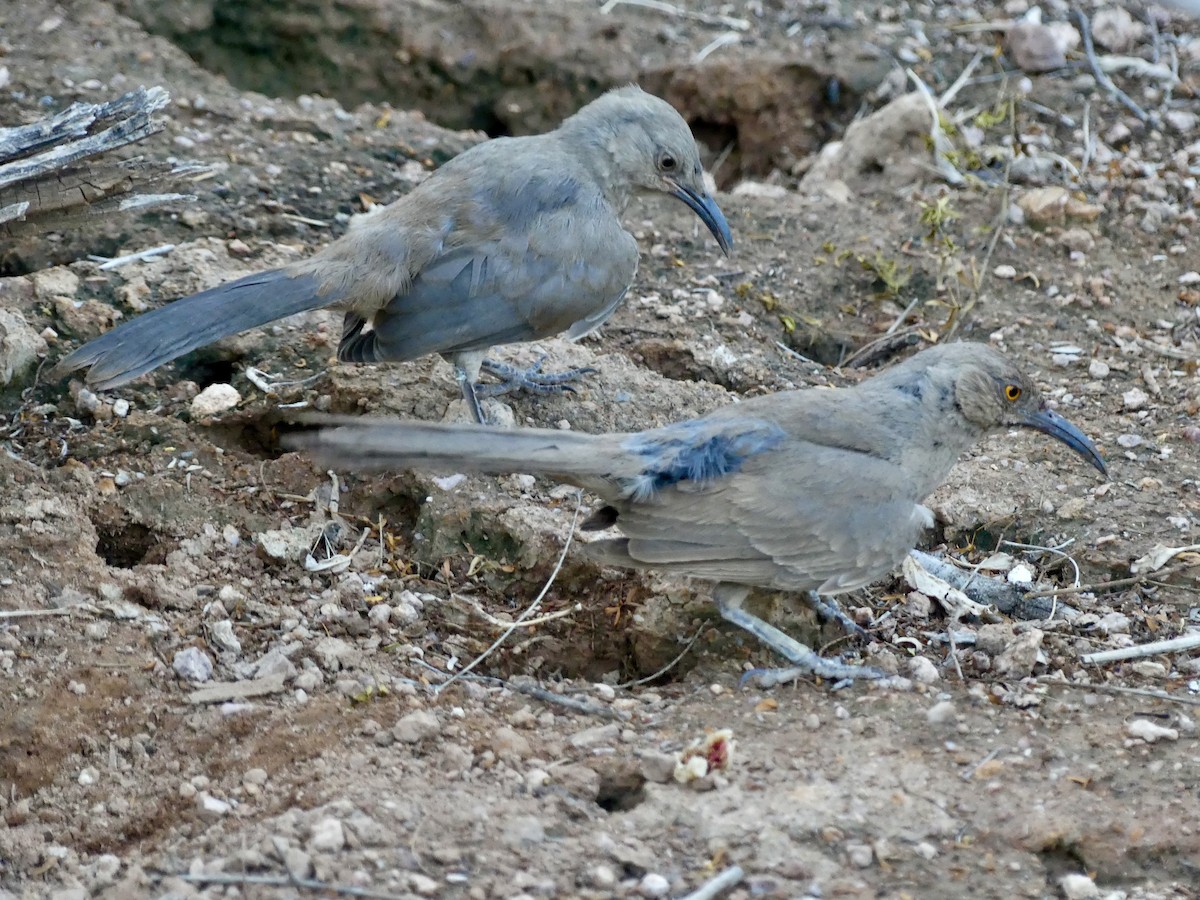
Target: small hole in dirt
pixel 205 369
pixel 716 137
pixel 621 790
pixel 126 546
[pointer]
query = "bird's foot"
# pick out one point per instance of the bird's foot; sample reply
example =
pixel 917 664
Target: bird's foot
pixel 804 660
pixel 532 379
pixel 470 394
pixel 830 609
pixel 841 674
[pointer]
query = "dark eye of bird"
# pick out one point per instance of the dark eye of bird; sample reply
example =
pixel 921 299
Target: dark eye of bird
pixel 666 163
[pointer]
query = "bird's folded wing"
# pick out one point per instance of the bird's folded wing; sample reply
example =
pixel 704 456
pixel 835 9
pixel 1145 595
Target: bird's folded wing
pixel 526 270
pixel 800 516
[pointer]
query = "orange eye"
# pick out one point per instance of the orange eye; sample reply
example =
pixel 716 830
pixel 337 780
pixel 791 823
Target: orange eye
pixel 1012 392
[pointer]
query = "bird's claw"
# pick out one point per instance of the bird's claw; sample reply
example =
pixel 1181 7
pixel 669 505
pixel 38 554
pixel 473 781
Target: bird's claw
pixel 829 609
pixel 532 379
pixel 841 674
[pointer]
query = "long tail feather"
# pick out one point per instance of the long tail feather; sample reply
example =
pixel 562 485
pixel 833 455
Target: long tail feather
pixel 151 340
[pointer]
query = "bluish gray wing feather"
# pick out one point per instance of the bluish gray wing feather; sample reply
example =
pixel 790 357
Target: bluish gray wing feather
pixel 157 337
pixel 779 521
pixel 549 255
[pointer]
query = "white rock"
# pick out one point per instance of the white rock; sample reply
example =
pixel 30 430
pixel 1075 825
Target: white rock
pixel 104 870
pixel 654 885
pixel 1135 399
pixel 598 734
pixel 925 850
pixel 861 855
pixel 922 670
pixel 333 653
pixel 424 885
pixel 1020 656
pixel 297 862
pixel 1021 573
pixel 1150 732
pixel 1098 369
pixel 1182 120
pixel 603 877
pixel 1078 887
pixel 379 615
pixel 1148 668
pixel 1115 29
pixel 121 408
pixel 192 664
pixel 20 346
pixel 416 727
pixel 275 662
pixel 327 836
pixel 941 713
pixel 211 807
pixel 1005 271
pixel 222 635
pixel 214 399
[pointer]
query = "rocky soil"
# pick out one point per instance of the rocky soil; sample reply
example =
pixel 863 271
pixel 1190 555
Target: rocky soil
pixel 224 672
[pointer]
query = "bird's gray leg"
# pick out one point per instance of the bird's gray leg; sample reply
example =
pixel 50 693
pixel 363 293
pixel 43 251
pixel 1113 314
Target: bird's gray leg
pixel 532 379
pixel 467 385
pixel 831 609
pixel 805 661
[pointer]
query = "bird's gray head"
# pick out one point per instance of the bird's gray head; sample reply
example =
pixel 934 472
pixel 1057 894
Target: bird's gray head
pixel 649 147
pixel 992 392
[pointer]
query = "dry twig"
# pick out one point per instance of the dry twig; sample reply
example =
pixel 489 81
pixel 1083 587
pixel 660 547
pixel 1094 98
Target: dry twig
pixel 718 885
pixel 679 13
pixel 529 610
pixel 1133 692
pixel 1102 79
pixel 1154 648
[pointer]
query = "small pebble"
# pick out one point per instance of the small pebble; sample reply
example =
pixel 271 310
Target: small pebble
pixel 1134 399
pixel 1078 887
pixel 653 885
pixel 212 807
pixel 1150 732
pixel 214 399
pixel 120 408
pixel 861 855
pixel 416 727
pixel 603 877
pixel 327 835
pixel 1148 668
pixel 1098 369
pixel 925 850
pixel 192 664
pixel 922 670
pixel 941 713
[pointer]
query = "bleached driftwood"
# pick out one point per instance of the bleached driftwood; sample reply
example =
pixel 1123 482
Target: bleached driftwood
pixel 60 168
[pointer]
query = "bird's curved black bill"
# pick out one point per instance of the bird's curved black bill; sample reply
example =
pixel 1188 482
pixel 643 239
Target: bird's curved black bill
pixel 1056 426
pixel 710 214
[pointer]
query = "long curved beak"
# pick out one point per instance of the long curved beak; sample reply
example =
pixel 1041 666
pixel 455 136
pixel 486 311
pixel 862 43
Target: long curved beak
pixel 1057 427
pixel 710 214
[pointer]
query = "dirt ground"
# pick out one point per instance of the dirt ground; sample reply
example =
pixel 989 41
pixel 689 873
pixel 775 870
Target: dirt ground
pixel 188 709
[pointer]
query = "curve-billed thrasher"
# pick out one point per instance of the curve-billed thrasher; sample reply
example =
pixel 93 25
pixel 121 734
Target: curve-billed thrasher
pixel 515 239
pixel 817 490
